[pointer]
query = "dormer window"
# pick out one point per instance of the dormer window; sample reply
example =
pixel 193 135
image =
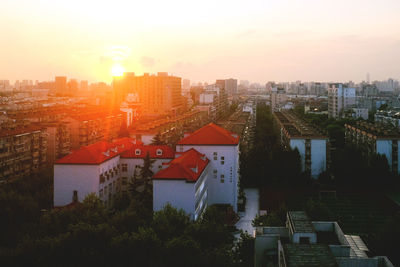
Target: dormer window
pixel 137 152
pixel 159 152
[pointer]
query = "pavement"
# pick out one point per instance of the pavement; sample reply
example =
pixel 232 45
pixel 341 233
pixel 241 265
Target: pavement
pixel 251 210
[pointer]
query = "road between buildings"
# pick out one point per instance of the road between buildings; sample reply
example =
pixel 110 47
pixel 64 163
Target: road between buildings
pixel 251 210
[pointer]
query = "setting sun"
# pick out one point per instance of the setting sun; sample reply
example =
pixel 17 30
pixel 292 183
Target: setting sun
pixel 117 70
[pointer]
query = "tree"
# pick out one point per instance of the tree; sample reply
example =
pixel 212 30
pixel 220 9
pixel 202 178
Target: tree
pixel 145 171
pixel 157 141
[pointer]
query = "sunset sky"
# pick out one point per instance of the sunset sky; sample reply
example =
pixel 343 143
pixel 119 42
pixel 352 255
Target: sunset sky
pixel 258 40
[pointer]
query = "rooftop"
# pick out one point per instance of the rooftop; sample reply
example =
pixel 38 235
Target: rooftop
pixel 308 255
pixel 189 166
pixel 126 147
pixel 210 134
pixel 375 129
pixel 296 127
pixel 300 222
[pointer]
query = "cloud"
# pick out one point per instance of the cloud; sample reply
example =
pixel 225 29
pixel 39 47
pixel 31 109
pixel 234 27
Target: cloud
pixel 147 62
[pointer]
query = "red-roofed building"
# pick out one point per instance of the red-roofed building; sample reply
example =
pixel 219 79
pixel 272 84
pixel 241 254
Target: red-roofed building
pixel 211 134
pixel 183 184
pixel 103 168
pixel 221 147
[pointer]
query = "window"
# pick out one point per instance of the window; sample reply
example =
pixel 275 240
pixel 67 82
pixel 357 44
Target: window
pixel 222 158
pixel 101 193
pixel 222 162
pixel 102 178
pixel 222 178
pixel 124 180
pixel 137 151
pixel 124 167
pixel 159 152
pixel 215 171
pixel 215 156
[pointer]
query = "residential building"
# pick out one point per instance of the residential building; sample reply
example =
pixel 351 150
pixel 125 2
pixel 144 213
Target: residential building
pixel 22 151
pixel 58 140
pixel 61 85
pixel 375 139
pixel 183 183
pixel 340 98
pixel 104 169
pixel 312 145
pixel 159 94
pixel 221 147
pixel 231 87
pixel 303 242
pixel 90 127
pixel 277 98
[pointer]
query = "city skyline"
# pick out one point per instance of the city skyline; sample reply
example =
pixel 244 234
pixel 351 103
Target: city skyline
pixel 259 41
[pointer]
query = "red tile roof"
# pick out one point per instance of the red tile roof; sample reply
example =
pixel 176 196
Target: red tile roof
pixel 210 134
pixel 167 152
pixel 102 151
pixel 189 166
pixel 92 154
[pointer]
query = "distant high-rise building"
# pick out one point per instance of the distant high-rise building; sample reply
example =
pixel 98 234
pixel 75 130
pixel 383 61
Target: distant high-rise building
pixel 61 85
pixel 72 87
pixel 231 86
pixel 340 98
pixel 185 85
pixel 159 94
pixel 84 86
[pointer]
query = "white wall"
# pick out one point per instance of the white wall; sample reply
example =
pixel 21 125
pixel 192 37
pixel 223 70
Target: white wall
pixel 83 178
pixel 178 193
pixel 67 178
pixel 384 147
pixel 318 156
pixel 226 192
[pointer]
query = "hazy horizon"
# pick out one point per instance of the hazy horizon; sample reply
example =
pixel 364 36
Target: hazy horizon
pixel 202 41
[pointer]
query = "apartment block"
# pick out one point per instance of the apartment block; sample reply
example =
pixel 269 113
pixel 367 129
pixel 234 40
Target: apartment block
pixel 22 151
pixel 159 94
pixel 373 138
pixel 312 145
pixel 340 98
pixel 88 128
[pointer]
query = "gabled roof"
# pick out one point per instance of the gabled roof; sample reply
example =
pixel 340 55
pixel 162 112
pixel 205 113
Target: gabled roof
pixel 92 154
pixel 189 166
pixel 101 151
pixel 211 134
pixel 166 152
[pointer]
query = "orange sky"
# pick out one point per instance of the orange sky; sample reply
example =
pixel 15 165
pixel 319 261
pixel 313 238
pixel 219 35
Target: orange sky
pixel 258 40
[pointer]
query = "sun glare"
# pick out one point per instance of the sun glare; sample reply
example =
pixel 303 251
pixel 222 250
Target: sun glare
pixel 117 70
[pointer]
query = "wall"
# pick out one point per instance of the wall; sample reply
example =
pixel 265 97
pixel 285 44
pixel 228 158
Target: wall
pixel 178 193
pixel 384 147
pixel 318 157
pixel 67 178
pixel 225 192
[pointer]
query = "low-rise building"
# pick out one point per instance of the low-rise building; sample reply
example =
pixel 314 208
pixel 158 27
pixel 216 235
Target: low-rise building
pixel 221 147
pixel 183 184
pixel 312 145
pixel 375 138
pixel 22 151
pixel 303 242
pixel 103 169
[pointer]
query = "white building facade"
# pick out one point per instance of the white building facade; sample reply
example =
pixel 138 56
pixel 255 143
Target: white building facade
pixel 103 169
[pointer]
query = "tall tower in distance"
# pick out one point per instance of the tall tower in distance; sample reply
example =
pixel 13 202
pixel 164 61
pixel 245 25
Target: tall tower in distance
pixel 61 85
pixel 368 78
pixel 159 94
